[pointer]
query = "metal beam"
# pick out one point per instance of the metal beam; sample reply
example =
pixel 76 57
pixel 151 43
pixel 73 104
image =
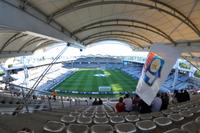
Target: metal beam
pixel 12 39
pixel 155 4
pixel 118 31
pixel 131 36
pixel 30 42
pixel 46 43
pixel 133 23
pixel 119 38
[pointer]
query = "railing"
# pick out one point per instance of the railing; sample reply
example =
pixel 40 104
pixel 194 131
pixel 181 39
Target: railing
pixel 11 99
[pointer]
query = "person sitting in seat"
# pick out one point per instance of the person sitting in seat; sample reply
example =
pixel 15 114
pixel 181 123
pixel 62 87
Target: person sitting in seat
pixel 100 101
pixel 136 101
pixel 95 102
pixel 128 103
pixel 165 101
pixel 156 104
pixel 120 107
pixel 143 107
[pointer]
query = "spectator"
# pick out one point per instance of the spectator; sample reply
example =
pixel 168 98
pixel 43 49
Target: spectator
pixel 165 101
pixel 186 95
pixel 176 96
pixel 128 103
pixel 54 94
pixel 156 103
pixel 120 105
pixel 95 102
pixel 136 101
pixel 100 101
pixel 90 101
pixel 143 107
pixel 34 97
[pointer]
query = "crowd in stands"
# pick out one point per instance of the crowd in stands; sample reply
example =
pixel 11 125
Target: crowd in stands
pixel 95 102
pixel 181 96
pixel 160 102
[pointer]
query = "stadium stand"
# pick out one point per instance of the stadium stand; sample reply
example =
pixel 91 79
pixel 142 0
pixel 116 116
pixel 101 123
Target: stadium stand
pixel 29 102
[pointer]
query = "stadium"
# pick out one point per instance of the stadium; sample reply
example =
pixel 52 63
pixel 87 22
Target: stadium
pixel 99 66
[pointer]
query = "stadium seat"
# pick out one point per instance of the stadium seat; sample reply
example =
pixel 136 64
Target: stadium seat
pixel 162 121
pixel 100 115
pixel 117 119
pixel 145 116
pixel 125 128
pixel 191 127
pixel 167 112
pixel 54 127
pixel 102 128
pixel 156 114
pixel 197 119
pixel 88 115
pixel 146 125
pixel 123 114
pixel 101 120
pixel 84 120
pixel 175 130
pixel 132 118
pixel 77 128
pixel 195 110
pixel 75 114
pixel 112 114
pixel 186 113
pixel 175 117
pixel 68 119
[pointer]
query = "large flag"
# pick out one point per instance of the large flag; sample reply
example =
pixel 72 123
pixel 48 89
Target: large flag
pixel 159 63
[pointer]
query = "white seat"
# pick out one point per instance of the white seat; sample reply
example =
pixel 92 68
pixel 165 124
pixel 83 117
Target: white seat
pixel 117 119
pixel 100 115
pixel 190 127
pixel 100 120
pixel 77 128
pixel 197 119
pixel 162 121
pixel 175 117
pixel 68 119
pixel 195 110
pixel 88 115
pixel 112 114
pixel 156 114
pixel 175 130
pixel 125 128
pixel 146 125
pixel 132 118
pixel 167 112
pixel 84 120
pixel 186 113
pixel 75 114
pixel 54 127
pixel 102 128
pixel 145 116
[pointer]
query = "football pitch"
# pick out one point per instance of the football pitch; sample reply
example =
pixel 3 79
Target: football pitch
pixel 87 82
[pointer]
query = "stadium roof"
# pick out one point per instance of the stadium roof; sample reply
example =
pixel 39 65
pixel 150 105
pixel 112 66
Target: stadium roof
pixel 138 22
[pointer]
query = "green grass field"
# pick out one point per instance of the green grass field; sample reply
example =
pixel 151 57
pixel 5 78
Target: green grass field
pixel 85 81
